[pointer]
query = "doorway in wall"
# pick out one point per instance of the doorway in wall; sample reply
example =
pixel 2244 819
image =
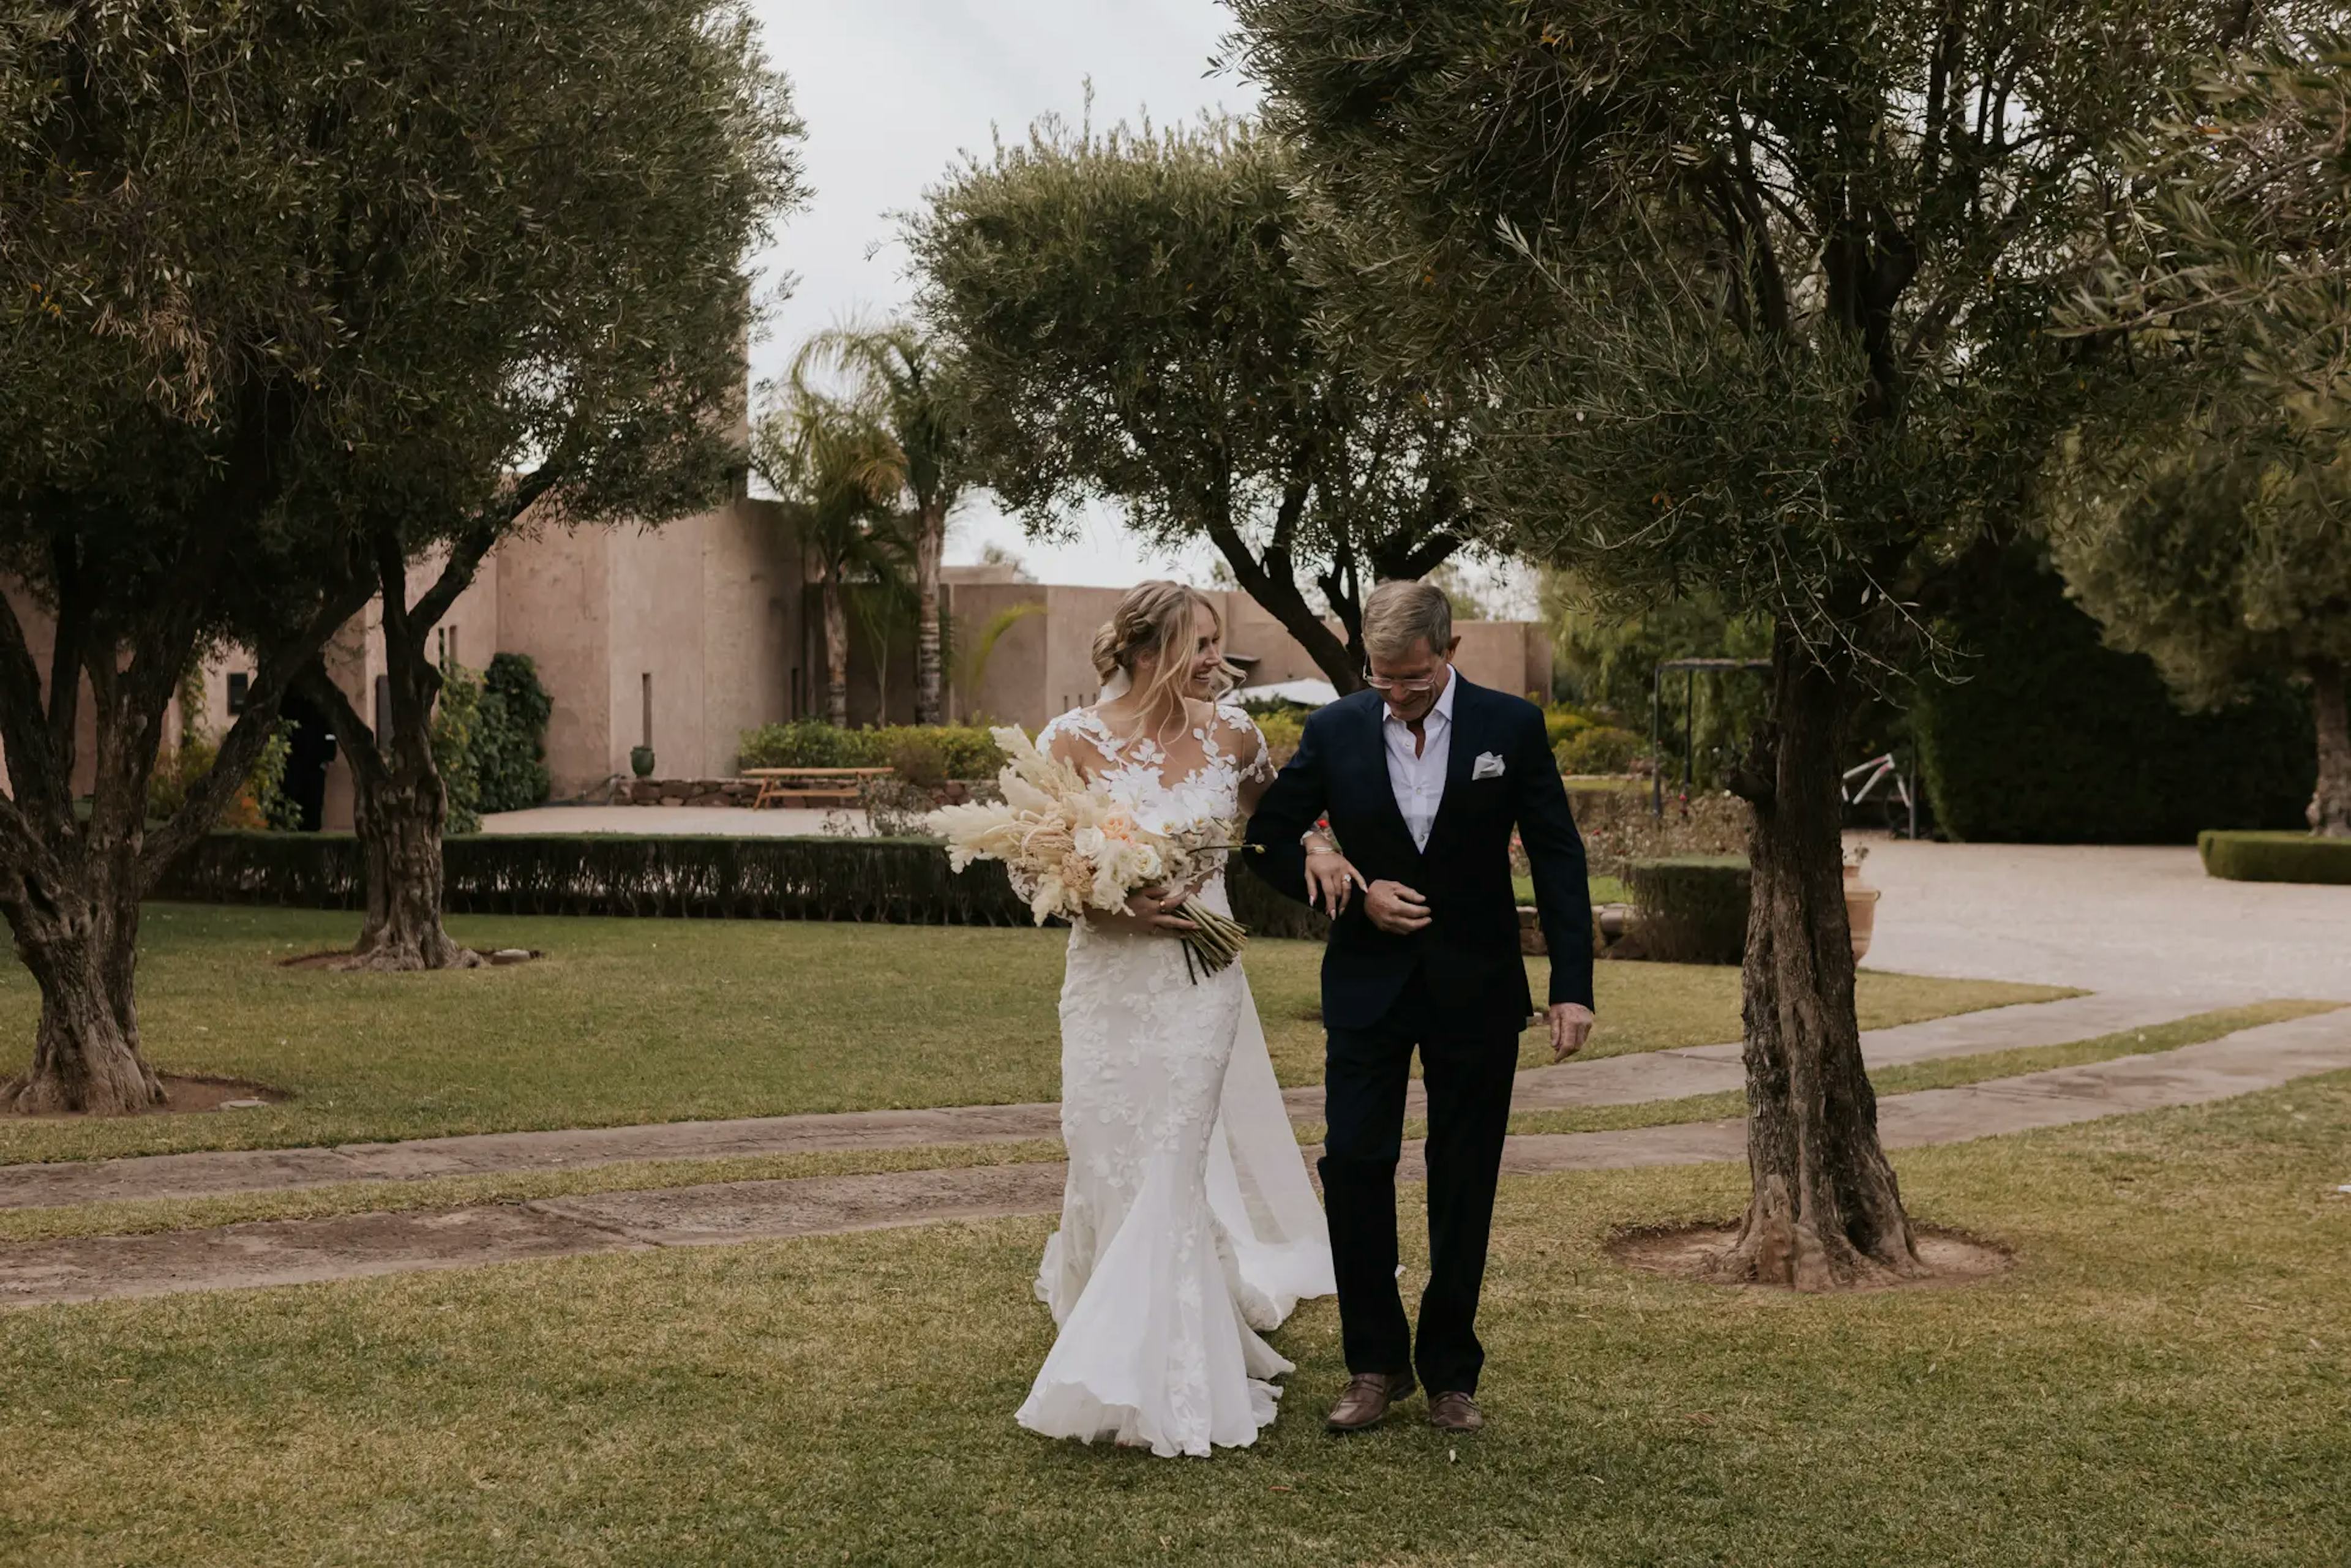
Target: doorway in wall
pixel 309 749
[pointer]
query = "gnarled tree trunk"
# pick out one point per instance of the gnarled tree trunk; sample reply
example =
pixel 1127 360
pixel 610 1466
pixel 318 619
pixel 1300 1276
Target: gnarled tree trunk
pixel 399 808
pixel 400 803
pixel 1825 1211
pixel 79 938
pixel 399 814
pixel 930 543
pixel 2330 803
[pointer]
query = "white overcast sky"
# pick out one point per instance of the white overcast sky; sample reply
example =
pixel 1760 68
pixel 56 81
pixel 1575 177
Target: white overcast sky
pixel 894 91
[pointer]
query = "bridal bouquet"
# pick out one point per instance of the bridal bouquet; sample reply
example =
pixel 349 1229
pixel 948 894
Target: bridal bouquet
pixel 1070 849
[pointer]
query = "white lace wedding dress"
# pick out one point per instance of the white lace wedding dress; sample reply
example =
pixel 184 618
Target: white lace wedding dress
pixel 1188 1224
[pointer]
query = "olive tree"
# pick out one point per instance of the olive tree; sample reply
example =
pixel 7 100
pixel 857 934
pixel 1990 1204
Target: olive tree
pixel 2205 519
pixel 1136 322
pixel 607 384
pixel 249 255
pixel 1756 298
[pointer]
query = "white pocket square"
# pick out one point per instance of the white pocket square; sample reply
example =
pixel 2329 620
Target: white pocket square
pixel 1488 766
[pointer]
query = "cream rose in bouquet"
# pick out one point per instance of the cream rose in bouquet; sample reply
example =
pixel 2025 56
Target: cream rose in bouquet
pixel 1071 849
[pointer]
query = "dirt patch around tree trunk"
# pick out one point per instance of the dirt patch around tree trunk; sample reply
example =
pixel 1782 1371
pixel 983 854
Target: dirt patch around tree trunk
pixel 1686 1252
pixel 185 1092
pixel 342 960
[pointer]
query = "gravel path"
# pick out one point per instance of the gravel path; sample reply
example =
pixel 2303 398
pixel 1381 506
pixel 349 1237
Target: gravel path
pixel 298 1251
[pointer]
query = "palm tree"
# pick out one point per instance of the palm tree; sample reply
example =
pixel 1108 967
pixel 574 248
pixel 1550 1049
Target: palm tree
pixel 906 379
pixel 837 471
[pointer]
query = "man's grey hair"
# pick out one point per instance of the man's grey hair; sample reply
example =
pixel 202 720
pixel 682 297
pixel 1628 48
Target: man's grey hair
pixel 1399 614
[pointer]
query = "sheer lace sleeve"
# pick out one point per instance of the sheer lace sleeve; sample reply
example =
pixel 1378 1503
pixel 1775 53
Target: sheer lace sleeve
pixel 1079 738
pixel 1238 737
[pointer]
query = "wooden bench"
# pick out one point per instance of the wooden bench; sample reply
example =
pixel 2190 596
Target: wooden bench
pixel 810 788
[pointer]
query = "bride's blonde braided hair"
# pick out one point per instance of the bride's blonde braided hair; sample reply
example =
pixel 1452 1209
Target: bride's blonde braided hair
pixel 1154 618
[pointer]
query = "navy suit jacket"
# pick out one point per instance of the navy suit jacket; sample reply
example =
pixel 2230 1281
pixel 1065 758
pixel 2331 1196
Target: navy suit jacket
pixel 1470 948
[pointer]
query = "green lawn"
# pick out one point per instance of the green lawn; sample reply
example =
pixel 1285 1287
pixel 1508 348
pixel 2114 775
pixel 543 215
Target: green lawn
pixel 2160 1380
pixel 651 1020
pixel 1605 889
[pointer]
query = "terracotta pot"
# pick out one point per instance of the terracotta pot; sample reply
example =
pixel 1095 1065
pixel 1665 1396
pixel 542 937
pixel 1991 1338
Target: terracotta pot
pixel 1860 910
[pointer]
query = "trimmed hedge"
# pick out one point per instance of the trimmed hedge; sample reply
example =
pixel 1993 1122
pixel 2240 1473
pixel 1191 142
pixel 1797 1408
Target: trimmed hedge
pixel 902 882
pixel 2274 857
pixel 896 881
pixel 2053 738
pixel 1600 748
pixel 963 750
pixel 1693 907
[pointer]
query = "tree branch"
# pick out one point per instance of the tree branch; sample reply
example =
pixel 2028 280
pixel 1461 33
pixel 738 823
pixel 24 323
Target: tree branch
pixel 366 759
pixel 1281 596
pixel 240 749
pixel 467 552
pixel 33 763
pixel 66 655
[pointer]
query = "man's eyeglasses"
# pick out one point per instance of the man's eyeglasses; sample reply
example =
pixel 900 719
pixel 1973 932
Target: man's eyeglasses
pixel 1386 686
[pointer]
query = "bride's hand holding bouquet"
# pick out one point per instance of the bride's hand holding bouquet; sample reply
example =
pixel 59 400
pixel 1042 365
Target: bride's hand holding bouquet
pixel 1075 852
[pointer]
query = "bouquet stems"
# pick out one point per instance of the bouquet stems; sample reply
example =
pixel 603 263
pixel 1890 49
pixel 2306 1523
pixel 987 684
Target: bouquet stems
pixel 1217 942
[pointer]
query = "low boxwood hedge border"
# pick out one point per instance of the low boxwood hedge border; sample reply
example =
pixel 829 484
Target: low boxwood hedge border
pixel 2252 856
pixel 901 882
pixel 1693 907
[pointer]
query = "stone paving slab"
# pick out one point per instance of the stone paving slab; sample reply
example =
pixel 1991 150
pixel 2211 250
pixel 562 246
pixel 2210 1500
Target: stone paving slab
pixel 297 1252
pixel 1716 1068
pixel 211 1174
pixel 1609 1081
pixel 726 1212
pixel 293 1253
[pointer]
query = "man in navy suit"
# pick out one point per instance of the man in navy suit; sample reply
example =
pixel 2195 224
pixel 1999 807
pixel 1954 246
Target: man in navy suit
pixel 1421 779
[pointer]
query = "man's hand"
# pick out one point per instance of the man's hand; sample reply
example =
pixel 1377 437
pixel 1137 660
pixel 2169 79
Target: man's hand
pixel 1570 1026
pixel 1331 879
pixel 1395 908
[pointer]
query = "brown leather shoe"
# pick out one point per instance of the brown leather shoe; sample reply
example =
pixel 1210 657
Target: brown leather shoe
pixel 1367 1398
pixel 1455 1413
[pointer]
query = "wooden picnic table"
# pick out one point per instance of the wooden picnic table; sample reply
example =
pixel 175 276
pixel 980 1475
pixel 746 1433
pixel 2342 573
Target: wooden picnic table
pixel 805 786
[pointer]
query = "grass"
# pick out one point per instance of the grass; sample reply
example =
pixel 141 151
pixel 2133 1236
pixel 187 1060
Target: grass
pixel 630 1022
pixel 1605 889
pixel 2160 1380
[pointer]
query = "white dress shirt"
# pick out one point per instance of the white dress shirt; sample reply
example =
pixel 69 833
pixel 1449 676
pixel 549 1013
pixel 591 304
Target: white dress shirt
pixel 1420 779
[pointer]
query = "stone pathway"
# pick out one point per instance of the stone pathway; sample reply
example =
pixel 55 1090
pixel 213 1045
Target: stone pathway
pixel 1609 1081
pixel 297 1252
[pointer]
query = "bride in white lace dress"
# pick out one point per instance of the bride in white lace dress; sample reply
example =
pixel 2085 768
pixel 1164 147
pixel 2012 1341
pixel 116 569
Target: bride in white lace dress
pixel 1187 1225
